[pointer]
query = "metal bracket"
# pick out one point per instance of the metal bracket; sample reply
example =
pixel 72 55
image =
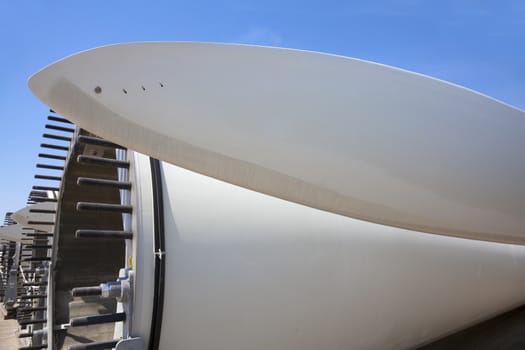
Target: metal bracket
pixel 130 344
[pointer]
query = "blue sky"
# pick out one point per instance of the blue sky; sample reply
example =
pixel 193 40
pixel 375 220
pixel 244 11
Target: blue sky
pixel 477 44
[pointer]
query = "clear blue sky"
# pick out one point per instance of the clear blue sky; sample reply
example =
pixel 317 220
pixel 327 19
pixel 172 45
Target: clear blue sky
pixel 477 44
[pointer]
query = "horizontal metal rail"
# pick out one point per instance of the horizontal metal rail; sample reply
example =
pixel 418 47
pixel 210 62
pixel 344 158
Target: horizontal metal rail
pixel 97 319
pixel 93 160
pixel 52 167
pixel 48 177
pixel 51 156
pixel 57 147
pixel 59 128
pixel 103 234
pixel 123 185
pixel 56 137
pixel 58 119
pixel 95 345
pixel 85 291
pixel 81 206
pixel 97 141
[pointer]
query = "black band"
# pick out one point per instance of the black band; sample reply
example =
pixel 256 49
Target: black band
pixel 158 294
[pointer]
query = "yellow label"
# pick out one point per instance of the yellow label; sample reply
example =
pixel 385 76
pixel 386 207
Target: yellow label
pixel 130 262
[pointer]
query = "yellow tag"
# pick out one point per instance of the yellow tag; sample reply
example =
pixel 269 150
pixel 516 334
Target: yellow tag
pixel 130 262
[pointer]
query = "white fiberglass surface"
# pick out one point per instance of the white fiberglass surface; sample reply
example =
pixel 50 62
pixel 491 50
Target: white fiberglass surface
pixel 26 215
pixel 141 257
pixel 12 232
pixel 248 271
pixel 343 135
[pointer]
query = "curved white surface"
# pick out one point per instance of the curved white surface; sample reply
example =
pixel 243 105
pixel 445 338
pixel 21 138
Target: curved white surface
pixel 143 257
pixel 12 233
pixel 249 271
pixel 339 134
pixel 24 216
